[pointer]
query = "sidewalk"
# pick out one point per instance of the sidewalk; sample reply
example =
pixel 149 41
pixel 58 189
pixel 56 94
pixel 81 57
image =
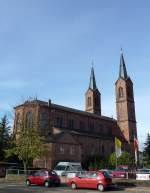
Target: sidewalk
pixel 4 180
pixel 137 189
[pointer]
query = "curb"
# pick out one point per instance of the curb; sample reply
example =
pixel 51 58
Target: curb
pixel 138 189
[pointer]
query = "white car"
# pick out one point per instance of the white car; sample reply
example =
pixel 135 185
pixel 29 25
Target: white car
pixel 143 174
pixel 63 168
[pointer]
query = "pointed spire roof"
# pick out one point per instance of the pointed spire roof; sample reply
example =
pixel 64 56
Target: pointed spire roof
pixel 122 71
pixel 92 84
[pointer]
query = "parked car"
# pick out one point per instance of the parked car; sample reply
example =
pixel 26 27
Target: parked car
pixel 63 168
pixel 43 177
pixel 95 180
pixel 143 174
pixel 123 171
pixel 143 170
pixel 118 173
pixel 72 173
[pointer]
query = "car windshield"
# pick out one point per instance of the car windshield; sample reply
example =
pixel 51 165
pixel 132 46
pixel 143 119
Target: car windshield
pixel 76 168
pixel 60 167
pixel 143 170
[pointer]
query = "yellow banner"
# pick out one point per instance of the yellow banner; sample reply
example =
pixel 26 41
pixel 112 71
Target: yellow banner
pixel 118 147
pixel 117 142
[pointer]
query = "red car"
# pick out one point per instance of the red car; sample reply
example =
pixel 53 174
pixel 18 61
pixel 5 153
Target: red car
pixel 43 177
pixel 95 180
pixel 118 173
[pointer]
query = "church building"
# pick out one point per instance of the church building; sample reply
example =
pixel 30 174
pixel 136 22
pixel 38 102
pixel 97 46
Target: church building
pixel 74 135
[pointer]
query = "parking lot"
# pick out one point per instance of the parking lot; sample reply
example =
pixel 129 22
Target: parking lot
pixel 21 188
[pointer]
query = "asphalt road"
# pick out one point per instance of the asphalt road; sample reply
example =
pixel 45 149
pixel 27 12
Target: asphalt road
pixel 19 188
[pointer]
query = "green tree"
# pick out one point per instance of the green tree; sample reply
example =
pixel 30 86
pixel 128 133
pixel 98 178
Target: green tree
pixel 124 159
pixel 146 151
pixel 112 160
pixel 95 162
pixel 28 146
pixel 4 136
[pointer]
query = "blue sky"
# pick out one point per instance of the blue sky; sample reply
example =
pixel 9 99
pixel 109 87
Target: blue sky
pixel 47 46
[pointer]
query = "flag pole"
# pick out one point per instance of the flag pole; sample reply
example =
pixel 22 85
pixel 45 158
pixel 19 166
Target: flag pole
pixel 117 149
pixel 136 151
pixel 116 161
pixel 115 152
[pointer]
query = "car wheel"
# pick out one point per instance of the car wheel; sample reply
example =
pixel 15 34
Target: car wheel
pixel 28 183
pixel 100 187
pixel 73 185
pixel 46 184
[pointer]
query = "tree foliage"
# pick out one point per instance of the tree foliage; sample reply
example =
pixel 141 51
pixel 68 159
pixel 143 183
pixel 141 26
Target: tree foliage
pixel 28 146
pixel 124 159
pixel 95 162
pixel 146 151
pixel 4 136
pixel 112 160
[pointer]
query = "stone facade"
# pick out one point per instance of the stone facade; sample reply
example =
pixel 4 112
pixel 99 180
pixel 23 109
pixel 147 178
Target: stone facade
pixel 74 135
pixel 125 105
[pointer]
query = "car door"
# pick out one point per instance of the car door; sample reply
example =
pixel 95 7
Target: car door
pixel 91 180
pixel 42 176
pixel 81 180
pixel 35 178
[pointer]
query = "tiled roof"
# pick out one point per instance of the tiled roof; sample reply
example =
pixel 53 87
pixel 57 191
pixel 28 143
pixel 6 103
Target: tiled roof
pixel 55 137
pixel 28 102
pixel 56 106
pixel 82 112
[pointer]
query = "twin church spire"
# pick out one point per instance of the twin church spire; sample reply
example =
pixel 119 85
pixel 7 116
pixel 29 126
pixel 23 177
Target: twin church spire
pixel 125 108
pixel 122 71
pixel 93 96
pixel 92 84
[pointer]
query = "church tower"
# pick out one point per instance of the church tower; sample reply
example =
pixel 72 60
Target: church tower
pixel 125 103
pixel 92 96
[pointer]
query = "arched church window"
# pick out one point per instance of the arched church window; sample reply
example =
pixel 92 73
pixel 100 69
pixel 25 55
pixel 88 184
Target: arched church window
pixel 18 122
pixel 43 120
pixel 71 124
pixel 89 101
pixel 120 92
pixel 29 119
pixel 59 121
